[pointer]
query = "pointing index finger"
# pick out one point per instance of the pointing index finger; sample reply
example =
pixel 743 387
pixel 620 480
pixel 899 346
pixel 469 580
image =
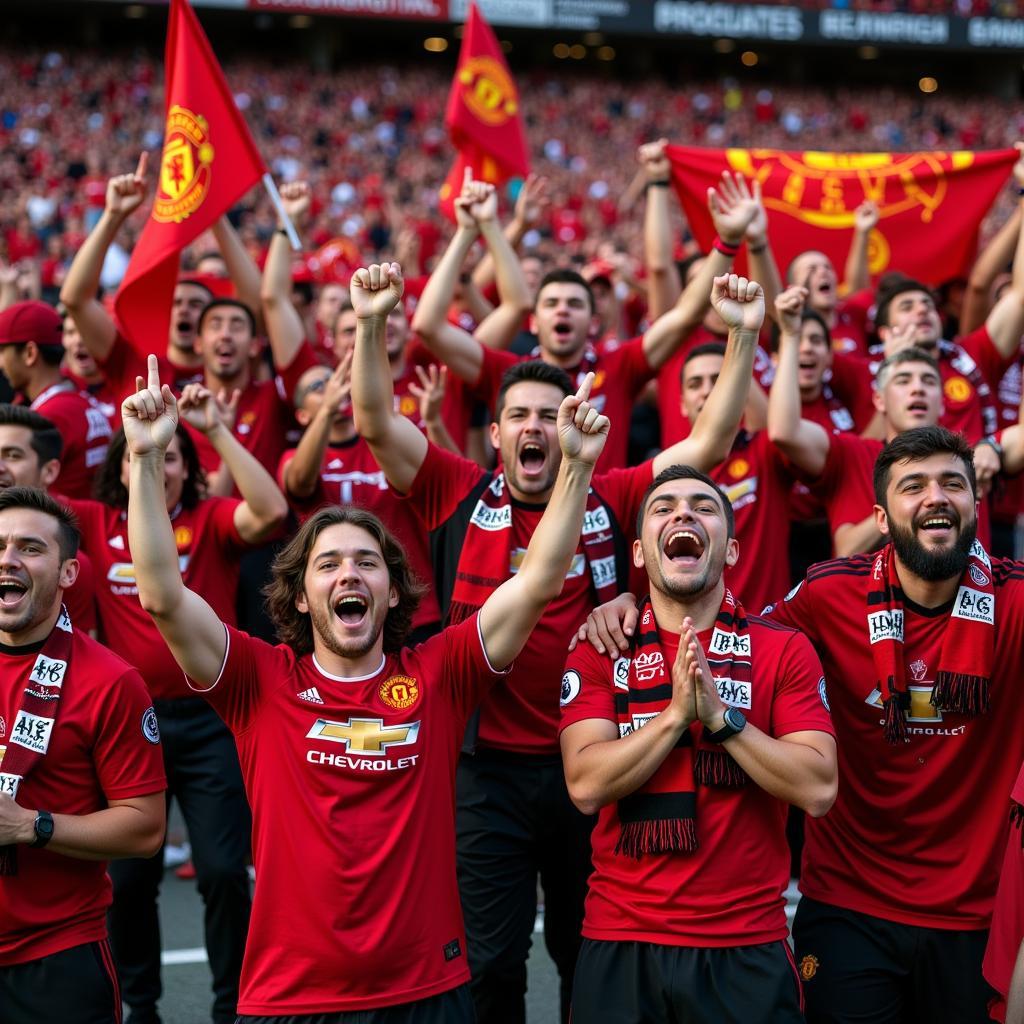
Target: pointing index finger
pixel 153 369
pixel 583 392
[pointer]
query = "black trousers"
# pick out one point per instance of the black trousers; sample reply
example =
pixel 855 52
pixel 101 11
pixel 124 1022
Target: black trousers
pixel 514 821
pixel 859 969
pixel 204 776
pixel 648 983
pixel 454 1007
pixel 75 986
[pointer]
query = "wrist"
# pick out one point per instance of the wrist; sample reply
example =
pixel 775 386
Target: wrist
pixel 727 244
pixel 27 827
pixel 756 246
pixel 715 720
pixel 215 431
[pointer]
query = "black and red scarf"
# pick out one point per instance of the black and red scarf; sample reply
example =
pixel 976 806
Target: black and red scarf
pixel 661 816
pixel 968 645
pixel 486 555
pixel 34 723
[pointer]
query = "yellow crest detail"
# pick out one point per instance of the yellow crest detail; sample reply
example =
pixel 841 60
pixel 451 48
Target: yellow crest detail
pixel 184 166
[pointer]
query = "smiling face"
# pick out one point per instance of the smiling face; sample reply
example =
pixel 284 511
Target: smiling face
pixel 19 462
pixel 930 514
pixel 909 395
pixel 33 575
pixel 814 271
pixel 562 319
pixel 526 434
pixel 347 592
pixel 684 541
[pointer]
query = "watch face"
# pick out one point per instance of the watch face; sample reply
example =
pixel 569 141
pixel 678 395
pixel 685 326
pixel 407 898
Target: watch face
pixel 44 826
pixel 735 719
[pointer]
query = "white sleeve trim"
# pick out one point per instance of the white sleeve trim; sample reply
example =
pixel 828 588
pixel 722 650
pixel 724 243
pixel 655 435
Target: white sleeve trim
pixel 483 647
pixel 223 665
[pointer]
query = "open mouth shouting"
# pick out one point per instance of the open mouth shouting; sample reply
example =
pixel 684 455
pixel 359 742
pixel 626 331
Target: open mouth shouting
pixel 352 610
pixel 12 593
pixel 533 457
pixel 919 408
pixel 683 547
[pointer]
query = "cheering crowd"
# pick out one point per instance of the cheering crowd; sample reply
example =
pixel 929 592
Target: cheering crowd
pixel 540 553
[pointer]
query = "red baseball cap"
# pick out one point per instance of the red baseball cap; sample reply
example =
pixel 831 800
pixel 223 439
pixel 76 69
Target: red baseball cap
pixel 30 321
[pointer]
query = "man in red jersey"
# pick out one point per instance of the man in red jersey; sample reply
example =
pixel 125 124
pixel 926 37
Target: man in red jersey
pixel 211 535
pixel 348 739
pixel 31 351
pixel 80 774
pixel 515 821
pixel 922 644
pixel 564 312
pixel 690 747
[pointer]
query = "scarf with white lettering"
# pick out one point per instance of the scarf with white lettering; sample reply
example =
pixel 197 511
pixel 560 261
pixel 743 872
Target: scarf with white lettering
pixel 486 556
pixel 965 661
pixel 33 726
pixel 661 816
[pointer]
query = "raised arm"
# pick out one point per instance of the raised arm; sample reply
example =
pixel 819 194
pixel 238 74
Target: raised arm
pixel 991 261
pixel 1006 321
pixel 732 207
pixel 763 267
pixel 531 206
pixel 663 284
pixel 242 270
pixel 283 323
pixel 857 275
pixel 740 303
pixel 510 613
pixel 125 193
pixel 191 628
pixel 263 509
pixel 456 348
pixel 396 443
pixel 805 443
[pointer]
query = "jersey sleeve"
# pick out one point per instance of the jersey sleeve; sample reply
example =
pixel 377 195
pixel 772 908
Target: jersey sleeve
pixel 305 358
pixel 588 686
pixel 443 481
pixel 800 701
pixel 252 669
pixel 851 383
pixel 796 610
pixel 623 490
pixel 467 673
pixel 627 366
pixel 991 362
pixel 492 369
pixel 222 522
pixel 123 364
pixel 126 748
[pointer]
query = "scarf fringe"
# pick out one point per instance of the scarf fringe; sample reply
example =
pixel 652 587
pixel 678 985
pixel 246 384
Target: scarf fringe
pixel 669 835
pixel 960 693
pixel 895 727
pixel 717 768
pixel 8 860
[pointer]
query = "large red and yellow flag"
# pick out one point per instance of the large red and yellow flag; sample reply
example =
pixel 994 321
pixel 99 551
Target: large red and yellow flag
pixel 484 117
pixel 209 160
pixel 931 204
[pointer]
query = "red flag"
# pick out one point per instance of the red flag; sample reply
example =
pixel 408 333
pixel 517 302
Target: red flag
pixel 931 204
pixel 483 117
pixel 209 160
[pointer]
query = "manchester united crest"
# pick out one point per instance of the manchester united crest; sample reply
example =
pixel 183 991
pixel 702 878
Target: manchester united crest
pixel 488 90
pixel 809 967
pixel 399 692
pixel 184 167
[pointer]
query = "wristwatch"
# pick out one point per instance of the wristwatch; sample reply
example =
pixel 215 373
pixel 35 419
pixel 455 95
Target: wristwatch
pixel 735 721
pixel 44 829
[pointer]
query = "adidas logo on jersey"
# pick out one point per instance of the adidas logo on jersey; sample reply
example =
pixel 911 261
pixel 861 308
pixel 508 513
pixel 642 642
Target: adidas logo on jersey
pixel 311 695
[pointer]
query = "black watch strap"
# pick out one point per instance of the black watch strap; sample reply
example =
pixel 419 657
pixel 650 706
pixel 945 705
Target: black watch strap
pixel 734 723
pixel 44 829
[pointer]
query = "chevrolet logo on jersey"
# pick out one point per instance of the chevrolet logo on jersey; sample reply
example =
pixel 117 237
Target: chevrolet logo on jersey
pixel 369 736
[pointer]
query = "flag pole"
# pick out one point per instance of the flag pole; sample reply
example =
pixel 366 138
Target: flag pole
pixel 275 198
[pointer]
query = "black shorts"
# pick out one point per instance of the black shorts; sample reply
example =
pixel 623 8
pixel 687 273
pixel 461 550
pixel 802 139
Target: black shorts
pixel 645 983
pixel 454 1007
pixel 75 986
pixel 864 969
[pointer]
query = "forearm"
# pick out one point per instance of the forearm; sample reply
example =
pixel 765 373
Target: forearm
pixel 1006 321
pixel 120 831
pixel 765 271
pixel 512 289
pixel 784 406
pixel 993 259
pixel 242 270
pixel 83 276
pixel 8 294
pixel 285 329
pixel 303 472
pixel 855 274
pixel 604 772
pixel 853 538
pixel 483 272
pixel 792 771
pixel 265 503
pixel 432 309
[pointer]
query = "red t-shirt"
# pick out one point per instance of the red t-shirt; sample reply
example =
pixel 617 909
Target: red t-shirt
pixel 755 479
pixel 123 364
pixel 85 431
pixel 620 372
pixel 208 550
pixel 80 598
pixel 455 407
pixel 1008 494
pixel 729 891
pixel 850 333
pixel 521 714
pixel 352 783
pixel 98 751
pixel 349 475
pixel 918 830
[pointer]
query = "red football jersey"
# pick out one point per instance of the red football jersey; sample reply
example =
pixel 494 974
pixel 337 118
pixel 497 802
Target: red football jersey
pixel 729 891
pixel 918 830
pixel 620 372
pixel 349 475
pixel 758 484
pixel 352 788
pixel 123 365
pixel 103 746
pixel 85 431
pixel 850 331
pixel 521 714
pixel 208 550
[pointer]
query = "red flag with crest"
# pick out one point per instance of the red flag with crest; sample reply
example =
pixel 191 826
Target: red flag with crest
pixel 484 117
pixel 930 204
pixel 209 160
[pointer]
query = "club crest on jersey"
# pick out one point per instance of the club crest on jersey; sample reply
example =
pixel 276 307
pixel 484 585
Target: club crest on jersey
pixel 886 625
pixel 809 967
pixel 823 694
pixel 399 692
pixel 571 685
pixel 975 605
pixel 367 736
pixel 150 726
